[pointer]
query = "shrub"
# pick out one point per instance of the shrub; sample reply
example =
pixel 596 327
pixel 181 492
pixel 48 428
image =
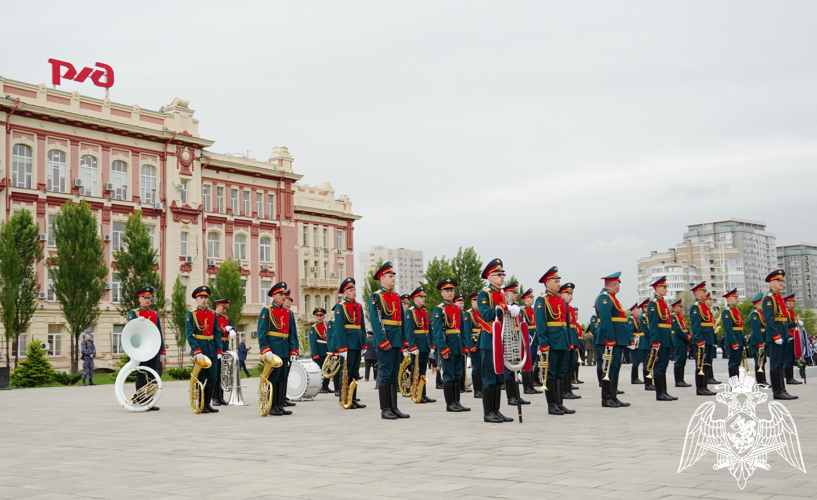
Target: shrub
pixel 180 373
pixel 66 378
pixel 35 370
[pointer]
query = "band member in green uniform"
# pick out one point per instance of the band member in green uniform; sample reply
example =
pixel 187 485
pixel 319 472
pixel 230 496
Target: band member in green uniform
pixel 732 323
pixel 227 332
pixel 330 342
pixel 680 342
pixel 488 300
pixel 757 340
pixel 509 378
pixel 703 335
pixel 318 343
pixel 613 335
pixel 417 329
pixel 566 291
pixel 288 306
pixel 553 330
pixel 204 339
pixel 459 301
pixel 386 316
pixel 644 347
pixel 349 328
pixel 145 295
pixel 447 332
pixel 405 302
pixel 659 321
pixel 529 377
pixel 777 335
pixel 471 326
pixel 711 350
pixel 789 357
pixel 277 333
pixel 634 326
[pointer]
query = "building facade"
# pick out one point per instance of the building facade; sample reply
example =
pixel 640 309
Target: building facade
pixel 408 264
pixel 201 207
pixel 726 253
pixel 798 259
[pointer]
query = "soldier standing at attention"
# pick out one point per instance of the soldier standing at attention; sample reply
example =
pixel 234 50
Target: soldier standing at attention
pixel 385 313
pixel 553 330
pixel 509 377
pixel 634 326
pixel 660 329
pixel 277 333
pixel 703 335
pixel 566 291
pixel 331 345
pixel 732 323
pixel 227 333
pixel 145 295
pixel 644 344
pixel 349 326
pixel 459 301
pixel 470 323
pixel 613 335
pixel 204 338
pixel 790 356
pixel 680 342
pixel 776 318
pixel 447 332
pixel 318 343
pixel 711 350
pixel 416 329
pixel 757 340
pixel 488 300
pixel 405 302
pixel 288 306
pixel 528 377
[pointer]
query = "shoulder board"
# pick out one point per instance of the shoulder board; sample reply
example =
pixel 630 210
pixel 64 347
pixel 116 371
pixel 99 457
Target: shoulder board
pixel 442 304
pixel 378 292
pixel 487 289
pixel 769 294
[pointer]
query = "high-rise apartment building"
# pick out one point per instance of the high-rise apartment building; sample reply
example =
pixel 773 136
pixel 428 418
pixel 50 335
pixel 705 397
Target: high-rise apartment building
pixel 798 259
pixel 407 263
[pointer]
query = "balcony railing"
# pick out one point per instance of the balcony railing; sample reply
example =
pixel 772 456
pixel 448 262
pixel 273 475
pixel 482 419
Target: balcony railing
pixel 320 283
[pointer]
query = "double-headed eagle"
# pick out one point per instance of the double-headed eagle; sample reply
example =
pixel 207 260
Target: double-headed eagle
pixel 742 441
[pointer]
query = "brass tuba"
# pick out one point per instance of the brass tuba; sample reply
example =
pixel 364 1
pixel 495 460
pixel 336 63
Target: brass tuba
pixel 264 385
pixel 196 387
pixel 404 377
pixel 331 365
pixel 141 341
pixel 231 378
pixel 347 392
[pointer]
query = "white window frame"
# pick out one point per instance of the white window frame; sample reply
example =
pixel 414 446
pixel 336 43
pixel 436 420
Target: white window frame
pixel 51 296
pixel 265 286
pixel 234 201
pixel 214 245
pixel 259 205
pixel 116 236
pixel 183 243
pixel 116 288
pixel 149 184
pixel 52 221
pixel 53 339
pixel 339 239
pixel 119 179
pixel 116 340
pixel 89 173
pixel 246 204
pixel 185 280
pixel 21 166
pixel 265 250
pixel 151 229
pixel 270 206
pixel 219 199
pixel 240 247
pixel 183 190
pixel 55 167
pixel 206 191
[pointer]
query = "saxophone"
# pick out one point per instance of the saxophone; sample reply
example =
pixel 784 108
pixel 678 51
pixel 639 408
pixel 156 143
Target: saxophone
pixel 418 383
pixel 347 392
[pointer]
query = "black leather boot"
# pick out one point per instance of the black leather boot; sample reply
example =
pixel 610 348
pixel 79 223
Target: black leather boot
pixel 384 394
pixel 789 376
pixel 599 375
pixel 760 377
pixel 336 381
pixel 509 391
pixel 517 391
pixel 324 386
pixel 439 379
pixel 488 414
pixel 781 384
pixel 679 377
pixel 649 384
pixel 560 391
pixel 607 395
pixel 356 402
pixel 282 398
pixel 498 402
pixel 457 392
pixel 567 390
pixel 477 385
pixel 576 376
pixel 710 375
pixel 528 380
pixel 553 403
pixel 634 376
pixel 734 371
pixel 426 399
pixel 448 392
pixel 700 386
pixel 614 392
pixel 394 408
pixel 208 398
pixel 217 393
pixel 664 382
pixel 660 389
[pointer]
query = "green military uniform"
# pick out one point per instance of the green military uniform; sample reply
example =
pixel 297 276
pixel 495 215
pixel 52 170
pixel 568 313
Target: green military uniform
pixel 204 337
pixel 349 329
pixel 613 335
pixel 417 330
pixel 659 321
pixel 776 317
pixel 226 326
pixel 317 334
pixel 789 356
pixel 277 333
pixel 732 324
pixel 470 322
pixel 757 340
pixel 155 361
pixel 553 332
pixel 644 347
pixel 573 353
pixel 680 343
pixel 446 328
pixel 529 377
pixel 634 327
pixel 703 335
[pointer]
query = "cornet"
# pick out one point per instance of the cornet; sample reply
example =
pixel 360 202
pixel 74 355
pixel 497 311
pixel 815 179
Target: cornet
pixel 701 350
pixel 606 362
pixel 544 364
pixel 761 358
pixel 651 362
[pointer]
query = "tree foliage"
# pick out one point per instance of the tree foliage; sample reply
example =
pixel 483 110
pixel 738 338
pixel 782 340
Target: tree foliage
pixel 20 251
pixel 370 286
pixel 35 370
pixel 467 268
pixel 227 285
pixel 438 269
pixel 136 263
pixel 78 270
pixel 178 314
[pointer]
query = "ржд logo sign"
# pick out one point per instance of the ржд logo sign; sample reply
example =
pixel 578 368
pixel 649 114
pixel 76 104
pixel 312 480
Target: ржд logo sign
pixel 71 73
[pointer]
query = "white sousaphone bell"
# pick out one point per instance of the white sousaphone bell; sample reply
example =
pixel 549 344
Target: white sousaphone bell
pixel 141 341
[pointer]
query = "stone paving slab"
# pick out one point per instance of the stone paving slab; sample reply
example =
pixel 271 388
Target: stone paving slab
pixel 76 443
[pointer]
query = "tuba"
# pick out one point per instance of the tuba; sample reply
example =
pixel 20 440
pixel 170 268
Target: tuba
pixel 265 386
pixel 404 377
pixel 196 387
pixel 141 341
pixel 331 365
pixel 231 378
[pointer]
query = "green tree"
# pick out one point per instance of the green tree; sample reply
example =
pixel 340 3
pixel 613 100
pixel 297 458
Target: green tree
pixel 467 268
pixel 178 314
pixel 809 319
pixel 745 307
pixel 438 269
pixel 78 270
pixel 35 370
pixel 370 286
pixel 20 251
pixel 227 285
pixel 136 263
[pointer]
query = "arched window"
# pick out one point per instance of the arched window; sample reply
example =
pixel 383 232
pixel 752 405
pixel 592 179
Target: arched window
pixel 213 245
pixel 264 244
pixel 148 184
pixel 240 247
pixel 88 174
pixel 21 166
pixel 119 179
pixel 55 171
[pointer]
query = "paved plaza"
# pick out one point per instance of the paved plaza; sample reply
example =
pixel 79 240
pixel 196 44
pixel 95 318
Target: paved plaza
pixel 76 443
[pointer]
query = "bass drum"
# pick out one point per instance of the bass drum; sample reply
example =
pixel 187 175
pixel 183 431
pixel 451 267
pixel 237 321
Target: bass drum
pixel 468 377
pixel 304 380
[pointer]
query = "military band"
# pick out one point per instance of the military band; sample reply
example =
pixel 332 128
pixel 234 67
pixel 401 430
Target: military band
pixel 644 346
pixel 512 390
pixel 227 332
pixel 732 324
pixel 757 339
pixel 417 330
pixel 776 317
pixel 278 334
pixel 488 300
pixel 529 376
pixel 471 325
pixel 566 291
pixel 145 296
pixel 612 334
pixel 553 332
pixel 204 338
pixel 447 333
pixel 349 333
pixel 634 326
pixel 660 331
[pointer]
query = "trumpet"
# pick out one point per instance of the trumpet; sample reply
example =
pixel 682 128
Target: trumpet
pixel 651 362
pixel 701 350
pixel 606 362
pixel 744 361
pixel 347 392
pixel 544 364
pixel 761 358
pixel 331 365
pixel 265 386
pixel 196 387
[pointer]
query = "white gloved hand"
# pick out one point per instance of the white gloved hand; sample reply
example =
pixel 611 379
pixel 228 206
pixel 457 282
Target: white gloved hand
pixel 268 355
pixel 514 309
pixel 292 358
pixel 199 358
pixel 778 341
pixel 431 353
pixel 363 352
pixel 219 356
pixel 344 354
pixel 405 354
pixel 231 331
pixel 161 357
pixel 415 351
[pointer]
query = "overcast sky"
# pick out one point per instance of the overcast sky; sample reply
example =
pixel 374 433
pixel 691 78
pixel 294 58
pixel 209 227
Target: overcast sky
pixel 576 134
